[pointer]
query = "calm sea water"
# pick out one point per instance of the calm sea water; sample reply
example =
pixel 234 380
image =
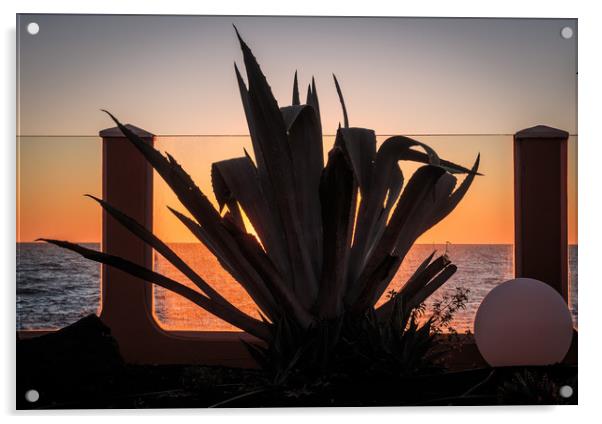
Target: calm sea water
pixel 56 287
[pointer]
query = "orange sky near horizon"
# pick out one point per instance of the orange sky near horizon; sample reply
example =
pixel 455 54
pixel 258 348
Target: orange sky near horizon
pixel 52 179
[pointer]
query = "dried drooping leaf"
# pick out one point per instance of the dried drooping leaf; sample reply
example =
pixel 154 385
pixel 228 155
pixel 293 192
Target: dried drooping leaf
pixel 415 200
pixel 417 223
pixel 431 287
pixel 423 276
pixel 386 184
pixel 417 279
pixel 456 196
pixel 441 192
pixel 401 148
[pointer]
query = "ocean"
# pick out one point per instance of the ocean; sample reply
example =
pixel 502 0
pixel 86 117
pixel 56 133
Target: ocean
pixel 56 287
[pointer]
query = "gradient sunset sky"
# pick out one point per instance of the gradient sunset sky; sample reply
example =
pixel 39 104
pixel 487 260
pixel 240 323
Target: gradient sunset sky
pixel 173 75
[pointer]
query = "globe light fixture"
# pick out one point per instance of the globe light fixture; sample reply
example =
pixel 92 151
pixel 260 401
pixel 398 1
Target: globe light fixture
pixel 523 322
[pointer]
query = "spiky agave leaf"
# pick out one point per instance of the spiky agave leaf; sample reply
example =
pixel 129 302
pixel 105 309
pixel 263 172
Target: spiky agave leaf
pixel 239 181
pixel 242 255
pixel 268 305
pixel 386 182
pixel 195 201
pixel 249 324
pixel 360 146
pixel 312 100
pixel 342 100
pixel 338 199
pixel 305 139
pixel 272 280
pixel 296 100
pixel 148 237
pixel 269 130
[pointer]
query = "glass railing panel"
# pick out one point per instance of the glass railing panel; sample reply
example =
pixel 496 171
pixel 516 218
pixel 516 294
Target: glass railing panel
pixel 478 236
pixel 56 287
pixel 195 154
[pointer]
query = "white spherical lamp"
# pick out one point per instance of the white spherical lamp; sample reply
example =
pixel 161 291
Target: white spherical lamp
pixel 523 322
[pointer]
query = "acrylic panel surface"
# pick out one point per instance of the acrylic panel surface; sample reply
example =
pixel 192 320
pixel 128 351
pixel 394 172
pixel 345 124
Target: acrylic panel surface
pixel 463 87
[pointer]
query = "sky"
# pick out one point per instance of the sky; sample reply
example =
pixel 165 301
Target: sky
pixel 173 75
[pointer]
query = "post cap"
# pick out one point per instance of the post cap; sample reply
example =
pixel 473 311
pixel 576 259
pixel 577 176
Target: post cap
pixel 541 131
pixel 116 132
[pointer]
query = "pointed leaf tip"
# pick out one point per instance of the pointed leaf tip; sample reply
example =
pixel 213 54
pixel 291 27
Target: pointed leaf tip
pixel 236 30
pixel 342 100
pixel 172 210
pixel 112 117
pixel 475 167
pixel 107 112
pixel 241 81
pixel 240 39
pixel 296 100
pixel 91 196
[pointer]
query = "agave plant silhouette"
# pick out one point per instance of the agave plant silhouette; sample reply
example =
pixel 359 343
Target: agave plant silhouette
pixel 330 238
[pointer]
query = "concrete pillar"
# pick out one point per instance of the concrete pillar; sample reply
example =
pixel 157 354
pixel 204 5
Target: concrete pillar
pixel 127 303
pixel 127 184
pixel 540 206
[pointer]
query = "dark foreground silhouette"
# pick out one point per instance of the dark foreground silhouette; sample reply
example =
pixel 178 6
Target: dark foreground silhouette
pixel 80 367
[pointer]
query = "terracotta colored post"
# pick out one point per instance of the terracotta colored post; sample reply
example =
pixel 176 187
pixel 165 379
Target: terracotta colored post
pixel 540 206
pixel 127 183
pixel 126 302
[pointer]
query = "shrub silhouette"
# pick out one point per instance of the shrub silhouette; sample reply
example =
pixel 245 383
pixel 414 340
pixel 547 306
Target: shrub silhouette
pixel 330 237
